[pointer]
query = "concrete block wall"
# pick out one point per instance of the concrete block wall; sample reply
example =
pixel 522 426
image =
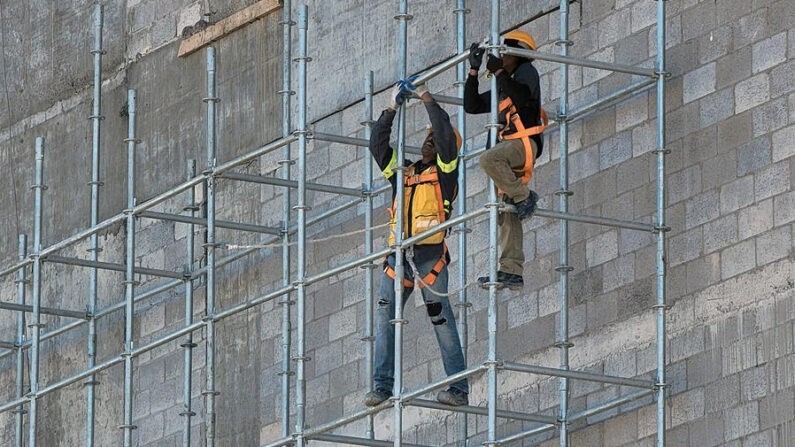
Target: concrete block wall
pixel 730 126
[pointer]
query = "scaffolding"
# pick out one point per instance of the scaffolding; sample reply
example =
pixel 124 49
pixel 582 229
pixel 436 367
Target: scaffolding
pixel 296 284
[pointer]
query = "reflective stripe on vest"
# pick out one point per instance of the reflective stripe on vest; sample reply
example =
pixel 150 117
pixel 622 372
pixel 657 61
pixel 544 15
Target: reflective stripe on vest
pixel 523 133
pixel 423 194
pixel 428 279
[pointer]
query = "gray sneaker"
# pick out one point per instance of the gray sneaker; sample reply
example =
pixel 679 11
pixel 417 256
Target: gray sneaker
pixel 453 397
pixel 375 397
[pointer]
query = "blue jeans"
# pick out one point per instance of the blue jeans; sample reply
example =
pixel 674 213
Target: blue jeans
pixel 442 320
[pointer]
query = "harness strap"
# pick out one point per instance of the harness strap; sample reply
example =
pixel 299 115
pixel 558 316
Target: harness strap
pixel 430 278
pixel 523 134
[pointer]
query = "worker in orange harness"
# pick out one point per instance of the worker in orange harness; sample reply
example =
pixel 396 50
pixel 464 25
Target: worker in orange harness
pixel 510 162
pixel 430 187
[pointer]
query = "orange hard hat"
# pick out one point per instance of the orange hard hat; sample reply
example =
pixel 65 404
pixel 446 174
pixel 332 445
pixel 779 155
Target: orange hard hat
pixel 525 40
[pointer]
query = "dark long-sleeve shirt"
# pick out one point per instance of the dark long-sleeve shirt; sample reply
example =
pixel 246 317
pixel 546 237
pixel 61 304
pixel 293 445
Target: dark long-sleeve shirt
pixel 446 160
pixel 522 86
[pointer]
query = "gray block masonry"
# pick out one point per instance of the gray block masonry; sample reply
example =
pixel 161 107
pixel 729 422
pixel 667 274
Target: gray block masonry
pixel 730 206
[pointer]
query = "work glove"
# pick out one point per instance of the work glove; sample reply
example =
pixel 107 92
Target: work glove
pixel 417 89
pixel 475 55
pixel 397 96
pixel 494 63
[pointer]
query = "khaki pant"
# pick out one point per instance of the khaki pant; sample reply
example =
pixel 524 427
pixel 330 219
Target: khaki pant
pixel 499 163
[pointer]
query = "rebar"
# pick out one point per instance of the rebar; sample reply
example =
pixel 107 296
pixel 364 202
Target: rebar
pixel 369 296
pixel 563 248
pixel 209 253
pixel 95 183
pixel 301 207
pixel 129 275
pixel 286 162
pixel 187 371
pixel 19 412
pixel 463 304
pixel 35 325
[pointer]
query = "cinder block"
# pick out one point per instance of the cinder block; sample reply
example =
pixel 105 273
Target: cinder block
pixel 601 248
pixel 615 150
pixel 784 208
pixel 755 219
pixel 707 432
pixel 716 107
pixel 737 194
pixel 684 184
pixel 773 245
pixel 753 155
pixel 769 52
pixel 783 80
pixel 777 408
pixel 522 309
pixel 751 92
pixel 342 323
pixel 784 143
pixel 714 44
pixel 687 407
pixel 701 209
pixel 618 272
pixel 744 420
pixel 644 15
pixel 698 19
pixel 684 247
pixel 750 28
pixel 772 180
pixel 770 116
pixel 722 394
pixel 737 259
pixel 614 27
pixel 720 233
pixel 699 83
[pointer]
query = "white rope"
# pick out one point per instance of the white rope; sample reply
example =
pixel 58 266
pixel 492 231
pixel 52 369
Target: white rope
pixel 311 241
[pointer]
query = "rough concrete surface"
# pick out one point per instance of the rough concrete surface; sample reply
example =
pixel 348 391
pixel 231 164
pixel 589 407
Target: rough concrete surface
pixel 730 124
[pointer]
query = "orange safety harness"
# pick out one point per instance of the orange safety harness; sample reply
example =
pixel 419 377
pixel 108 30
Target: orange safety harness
pixel 428 279
pixel 523 133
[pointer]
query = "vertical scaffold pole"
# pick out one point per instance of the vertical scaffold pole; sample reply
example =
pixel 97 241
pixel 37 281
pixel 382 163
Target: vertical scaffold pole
pixel 300 359
pixel 209 249
pixel 402 17
pixel 368 245
pixel 660 224
pixel 129 275
pixel 563 205
pixel 491 362
pixel 188 344
pixel 285 163
pixel 35 325
pixel 462 304
pixel 19 412
pixel 95 183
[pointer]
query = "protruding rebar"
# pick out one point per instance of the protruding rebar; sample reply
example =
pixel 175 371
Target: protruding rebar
pixel 19 412
pixel 301 207
pixel 563 206
pixel 660 222
pixel 463 330
pixel 209 250
pixel 286 162
pixel 402 17
pixel 188 344
pixel 369 296
pixel 129 275
pixel 96 119
pixel 35 317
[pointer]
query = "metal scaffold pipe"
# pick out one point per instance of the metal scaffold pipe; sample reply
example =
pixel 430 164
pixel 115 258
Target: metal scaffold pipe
pixel 129 274
pixel 563 248
pixel 369 296
pixel 301 207
pixel 402 17
pixel 35 324
pixel 95 183
pixel 285 163
pixel 491 362
pixel 187 372
pixel 19 412
pixel 209 249
pixel 463 332
pixel 660 223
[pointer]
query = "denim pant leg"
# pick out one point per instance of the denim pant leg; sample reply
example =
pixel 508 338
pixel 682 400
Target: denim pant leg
pixel 445 328
pixel 384 371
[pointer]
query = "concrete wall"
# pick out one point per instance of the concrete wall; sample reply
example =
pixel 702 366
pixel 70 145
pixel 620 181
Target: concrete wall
pixel 730 125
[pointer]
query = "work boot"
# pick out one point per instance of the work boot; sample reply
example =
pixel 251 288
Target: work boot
pixel 375 397
pixel 453 397
pixel 527 207
pixel 509 280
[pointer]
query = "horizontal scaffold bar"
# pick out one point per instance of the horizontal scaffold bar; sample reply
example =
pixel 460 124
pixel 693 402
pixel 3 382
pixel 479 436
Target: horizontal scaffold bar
pixel 582 62
pixel 353 141
pixel 113 266
pixel 218 223
pixel 45 310
pixel 351 440
pixel 292 184
pixel 577 375
pixel 504 414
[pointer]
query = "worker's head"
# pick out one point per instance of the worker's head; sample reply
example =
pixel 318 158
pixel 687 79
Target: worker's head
pixel 429 145
pixel 517 39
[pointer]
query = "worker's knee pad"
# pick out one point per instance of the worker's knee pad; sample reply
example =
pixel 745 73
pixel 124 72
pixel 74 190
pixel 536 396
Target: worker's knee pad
pixel 435 312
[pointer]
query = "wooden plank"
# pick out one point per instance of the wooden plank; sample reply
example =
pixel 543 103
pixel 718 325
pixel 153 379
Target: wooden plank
pixel 227 25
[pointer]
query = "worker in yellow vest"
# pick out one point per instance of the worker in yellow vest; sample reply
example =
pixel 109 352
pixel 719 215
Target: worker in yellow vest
pixel 510 162
pixel 430 187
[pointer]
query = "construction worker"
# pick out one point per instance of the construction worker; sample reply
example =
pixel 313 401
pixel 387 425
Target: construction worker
pixel 510 162
pixel 430 187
